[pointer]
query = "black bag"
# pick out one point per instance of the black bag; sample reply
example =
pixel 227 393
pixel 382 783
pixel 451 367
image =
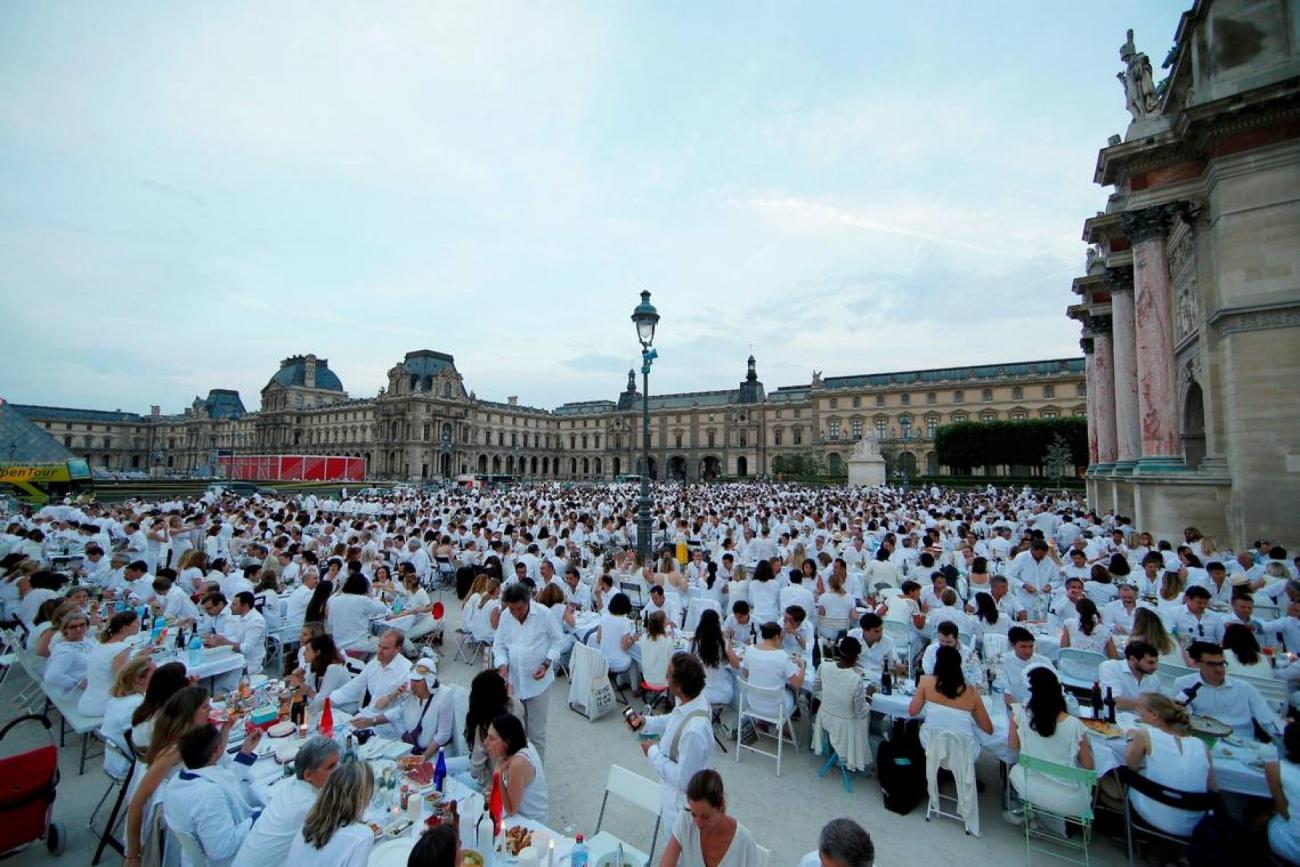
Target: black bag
pixel 900 766
pixel 1216 839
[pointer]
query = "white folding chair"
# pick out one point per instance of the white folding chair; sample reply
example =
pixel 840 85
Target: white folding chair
pixel 1079 668
pixel 954 751
pixel 995 644
pixel 632 591
pixel 1170 673
pixel 773 695
pixel 1275 692
pixel 764 855
pixel 902 634
pixel 640 793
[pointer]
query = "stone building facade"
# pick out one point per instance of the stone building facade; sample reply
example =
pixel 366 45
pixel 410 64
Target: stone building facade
pixel 425 424
pixel 1190 305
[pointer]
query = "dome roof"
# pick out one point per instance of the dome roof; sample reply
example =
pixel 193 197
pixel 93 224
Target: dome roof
pixel 293 373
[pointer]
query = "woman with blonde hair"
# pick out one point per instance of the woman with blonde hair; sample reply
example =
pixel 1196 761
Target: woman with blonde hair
pixel 1148 627
pixel 126 694
pixel 486 614
pixel 1164 752
pixel 105 658
pixel 333 834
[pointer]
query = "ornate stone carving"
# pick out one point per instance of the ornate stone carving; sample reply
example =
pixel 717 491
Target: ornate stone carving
pixel 1119 280
pixel 1139 90
pixel 1147 224
pixel 1187 307
pixel 1256 319
pixel 1100 324
pixel 1086 344
pixel 868 446
pixel 816 379
pixel 1183 252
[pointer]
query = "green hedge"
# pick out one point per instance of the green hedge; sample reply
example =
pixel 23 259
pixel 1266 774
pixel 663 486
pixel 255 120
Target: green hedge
pixel 968 444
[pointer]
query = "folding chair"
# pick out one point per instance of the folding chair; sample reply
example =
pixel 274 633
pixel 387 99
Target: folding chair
pixel 116 814
pixel 696 608
pixel 776 696
pixel 953 751
pixel 640 793
pixel 1198 802
pixel 632 591
pixel 1066 774
pixel 1079 668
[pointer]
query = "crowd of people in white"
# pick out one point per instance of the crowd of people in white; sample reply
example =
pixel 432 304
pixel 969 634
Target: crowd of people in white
pixel 808 599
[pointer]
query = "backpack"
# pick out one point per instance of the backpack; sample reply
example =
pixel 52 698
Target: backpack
pixel 900 766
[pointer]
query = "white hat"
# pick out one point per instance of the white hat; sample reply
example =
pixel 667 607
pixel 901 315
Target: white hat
pixel 426 670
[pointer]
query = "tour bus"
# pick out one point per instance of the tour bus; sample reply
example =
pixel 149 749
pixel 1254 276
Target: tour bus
pixel 40 483
pixel 627 478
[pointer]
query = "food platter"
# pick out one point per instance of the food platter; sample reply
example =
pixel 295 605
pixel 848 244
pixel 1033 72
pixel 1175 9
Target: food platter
pixel 1209 726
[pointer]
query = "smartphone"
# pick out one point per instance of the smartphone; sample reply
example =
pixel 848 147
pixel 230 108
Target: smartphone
pixel 628 713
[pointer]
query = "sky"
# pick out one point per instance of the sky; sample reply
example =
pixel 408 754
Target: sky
pixel 192 192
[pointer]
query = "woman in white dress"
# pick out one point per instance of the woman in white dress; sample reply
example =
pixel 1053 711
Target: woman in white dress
pixel 67 670
pixel 333 834
pixel 1163 751
pixel 710 646
pixel 704 835
pixel 415 600
pixel 1242 654
pixel 835 605
pixel 765 594
pixel 125 697
pixel 518 770
pixel 616 634
pixel 1087 631
pixel 105 658
pixel 1045 730
pixel 486 612
pixel 324 672
pixel 1148 627
pixel 769 666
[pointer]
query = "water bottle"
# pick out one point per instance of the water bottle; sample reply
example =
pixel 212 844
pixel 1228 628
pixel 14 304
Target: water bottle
pixel 440 771
pixel 579 856
pixel 195 650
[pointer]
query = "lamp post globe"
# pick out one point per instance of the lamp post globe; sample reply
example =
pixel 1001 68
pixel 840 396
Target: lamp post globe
pixel 645 318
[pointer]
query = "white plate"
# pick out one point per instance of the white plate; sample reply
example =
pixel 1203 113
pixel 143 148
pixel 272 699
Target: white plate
pixel 391 853
pixel 282 729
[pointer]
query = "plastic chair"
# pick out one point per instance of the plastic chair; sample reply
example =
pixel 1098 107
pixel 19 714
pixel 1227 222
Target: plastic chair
pixel 1079 668
pixel 640 793
pixel 774 695
pixel 902 634
pixel 633 592
pixel 1198 802
pixel 1066 774
pixel 1170 673
pixel 955 752
pixel 994 644
pixel 696 608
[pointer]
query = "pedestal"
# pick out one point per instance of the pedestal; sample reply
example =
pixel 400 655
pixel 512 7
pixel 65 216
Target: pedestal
pixel 867 471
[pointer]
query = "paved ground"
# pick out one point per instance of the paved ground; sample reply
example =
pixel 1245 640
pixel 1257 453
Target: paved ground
pixel 784 814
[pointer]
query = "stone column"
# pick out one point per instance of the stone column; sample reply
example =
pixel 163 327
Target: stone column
pixel 1104 365
pixel 1128 428
pixel 1090 379
pixel 1154 318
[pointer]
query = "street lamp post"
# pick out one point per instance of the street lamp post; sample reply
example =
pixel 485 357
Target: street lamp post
pixel 645 317
pixel 907 439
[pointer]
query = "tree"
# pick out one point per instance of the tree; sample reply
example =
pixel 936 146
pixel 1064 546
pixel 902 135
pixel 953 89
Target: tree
pixel 969 444
pixel 798 464
pixel 1058 459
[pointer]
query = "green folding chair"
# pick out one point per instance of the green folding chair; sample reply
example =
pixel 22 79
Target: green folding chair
pixel 1066 774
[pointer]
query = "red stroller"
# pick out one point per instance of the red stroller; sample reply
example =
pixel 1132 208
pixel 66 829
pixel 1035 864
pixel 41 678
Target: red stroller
pixel 28 781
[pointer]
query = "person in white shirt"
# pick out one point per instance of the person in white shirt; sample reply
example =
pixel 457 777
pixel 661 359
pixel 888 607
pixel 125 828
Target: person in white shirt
pixel 1119 613
pixel 1288 625
pixel 212 801
pixel 422 716
pixel 796 593
pixel 947 636
pixel 296 605
pixel 1010 676
pixel 216 617
pixel 660 601
pixel 685 745
pixel 842 843
pixel 878 649
pixel 246 633
pixel 797 633
pixel 171 601
pixel 739 625
pixel 1193 617
pixel 1130 677
pixel 527 646
pixel 267 845
pixel 333 833
pixel 237 582
pixel 1033 573
pixel 350 614
pixel 1232 701
pixel 575 592
pixel 384 677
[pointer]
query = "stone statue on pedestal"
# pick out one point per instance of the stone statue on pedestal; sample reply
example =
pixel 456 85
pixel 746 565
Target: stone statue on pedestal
pixel 1139 90
pixel 867 446
pixel 866 465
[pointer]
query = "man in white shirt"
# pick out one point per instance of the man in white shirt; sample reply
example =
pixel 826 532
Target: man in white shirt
pixel 685 745
pixel 419 558
pixel 1195 619
pixel 527 646
pixel 1010 676
pixel 796 593
pixel 669 605
pixel 947 636
pixel 842 843
pixel 878 649
pixel 1130 677
pixel 575 592
pixel 1064 609
pixel 384 677
pixel 171 601
pixel 1119 613
pixel 267 845
pixel 216 618
pixel 296 605
pixel 246 633
pixel 797 632
pixel 1008 605
pixel 1288 625
pixel 210 801
pixel 1234 702
pixel 138 582
pixel 1033 573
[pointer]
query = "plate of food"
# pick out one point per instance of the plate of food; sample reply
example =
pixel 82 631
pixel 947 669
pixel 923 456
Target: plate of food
pixel 421 775
pixel 518 838
pixel 282 729
pixel 391 853
pixel 1103 728
pixel 471 858
pixel 1208 726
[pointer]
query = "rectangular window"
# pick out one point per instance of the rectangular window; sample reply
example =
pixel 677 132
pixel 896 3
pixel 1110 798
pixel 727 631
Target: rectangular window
pixel 907 400
pixel 835 428
pixel 880 427
pixel 776 436
pixel 880 400
pixel 798 436
pixel 835 403
pixel 856 426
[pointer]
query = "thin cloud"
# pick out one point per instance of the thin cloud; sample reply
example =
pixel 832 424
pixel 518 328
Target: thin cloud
pixel 809 211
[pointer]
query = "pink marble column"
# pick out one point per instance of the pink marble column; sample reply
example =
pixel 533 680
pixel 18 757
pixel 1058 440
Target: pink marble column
pixel 1153 311
pixel 1090 381
pixel 1104 365
pixel 1128 429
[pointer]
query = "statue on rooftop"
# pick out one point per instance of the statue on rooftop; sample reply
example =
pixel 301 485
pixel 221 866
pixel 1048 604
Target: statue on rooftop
pixel 1139 90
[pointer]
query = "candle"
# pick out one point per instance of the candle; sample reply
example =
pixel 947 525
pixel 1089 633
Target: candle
pixel 550 854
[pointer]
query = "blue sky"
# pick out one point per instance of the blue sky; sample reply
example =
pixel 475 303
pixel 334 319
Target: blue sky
pixel 193 191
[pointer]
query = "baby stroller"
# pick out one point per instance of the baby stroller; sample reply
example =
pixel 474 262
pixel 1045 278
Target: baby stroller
pixel 28 781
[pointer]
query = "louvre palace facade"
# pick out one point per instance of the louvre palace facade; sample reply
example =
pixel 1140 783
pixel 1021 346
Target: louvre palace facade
pixel 425 424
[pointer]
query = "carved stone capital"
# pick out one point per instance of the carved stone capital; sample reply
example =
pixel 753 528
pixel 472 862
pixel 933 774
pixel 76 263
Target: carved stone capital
pixel 1119 280
pixel 1149 223
pixel 1099 325
pixel 1085 343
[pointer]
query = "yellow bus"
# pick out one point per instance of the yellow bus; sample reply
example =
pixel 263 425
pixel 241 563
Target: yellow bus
pixel 39 483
